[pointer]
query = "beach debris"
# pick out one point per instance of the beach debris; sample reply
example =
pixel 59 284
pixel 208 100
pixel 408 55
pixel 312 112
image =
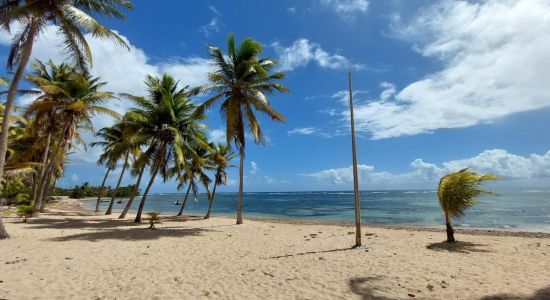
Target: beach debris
pixel 68 258
pixel 351 232
pixel 268 274
pixel 411 295
pixel 430 287
pixel 321 258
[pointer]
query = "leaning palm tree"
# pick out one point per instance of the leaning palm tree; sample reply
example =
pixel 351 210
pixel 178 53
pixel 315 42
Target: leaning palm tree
pixel 71 103
pixel 121 142
pixel 220 156
pixel 240 82
pixel 166 118
pixel 194 174
pixel 458 191
pixel 73 18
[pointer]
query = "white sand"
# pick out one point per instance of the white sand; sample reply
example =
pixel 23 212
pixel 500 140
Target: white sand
pixel 65 256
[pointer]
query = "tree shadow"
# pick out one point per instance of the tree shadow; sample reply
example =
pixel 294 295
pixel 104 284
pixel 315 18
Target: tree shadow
pixel 70 223
pixel 542 294
pixel 142 233
pixel 312 252
pixel 364 287
pixel 458 247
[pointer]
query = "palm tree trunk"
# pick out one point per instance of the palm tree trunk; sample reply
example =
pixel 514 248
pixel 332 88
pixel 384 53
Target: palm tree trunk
pixel 184 201
pixel 241 176
pixel 12 92
pixel 24 60
pixel 33 185
pixel 43 185
pixel 134 192
pixel 3 233
pixel 101 189
pixel 43 168
pixel 45 195
pixel 144 197
pixel 110 209
pixel 51 166
pixel 211 201
pixel 450 231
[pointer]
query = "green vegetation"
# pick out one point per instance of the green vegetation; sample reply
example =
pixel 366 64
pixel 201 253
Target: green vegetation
pixel 458 191
pixel 87 191
pixel 25 212
pixel 153 219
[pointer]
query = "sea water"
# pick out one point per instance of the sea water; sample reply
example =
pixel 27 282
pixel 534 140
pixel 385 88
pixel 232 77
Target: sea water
pixel 520 210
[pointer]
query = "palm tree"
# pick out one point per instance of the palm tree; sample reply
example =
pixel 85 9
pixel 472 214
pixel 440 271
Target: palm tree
pixel 73 18
pixel 220 156
pixel 458 191
pixel 136 170
pixel 166 117
pixel 121 142
pixel 71 102
pixel 241 81
pixel 198 166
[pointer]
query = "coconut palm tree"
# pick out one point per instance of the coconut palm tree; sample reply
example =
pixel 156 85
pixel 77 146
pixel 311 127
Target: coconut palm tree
pixel 240 82
pixel 198 166
pixel 73 19
pixel 166 117
pixel 120 142
pixel 71 102
pixel 458 191
pixel 220 156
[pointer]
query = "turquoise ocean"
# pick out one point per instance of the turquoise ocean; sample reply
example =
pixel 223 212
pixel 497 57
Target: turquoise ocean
pixel 517 210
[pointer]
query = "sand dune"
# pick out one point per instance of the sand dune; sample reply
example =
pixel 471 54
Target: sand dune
pixel 65 255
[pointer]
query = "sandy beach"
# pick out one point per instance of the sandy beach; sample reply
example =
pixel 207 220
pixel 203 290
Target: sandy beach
pixel 69 253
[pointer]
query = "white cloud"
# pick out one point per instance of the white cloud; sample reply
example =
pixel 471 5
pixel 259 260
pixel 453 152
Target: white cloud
pixel 123 70
pixel 346 8
pixel 253 167
pixel 496 161
pixel 291 9
pixel 210 27
pixel 217 136
pixel 495 63
pixel 75 178
pixel 302 131
pixel 302 52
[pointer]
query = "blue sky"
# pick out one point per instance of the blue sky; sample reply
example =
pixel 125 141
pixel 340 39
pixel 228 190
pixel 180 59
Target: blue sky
pixel 438 86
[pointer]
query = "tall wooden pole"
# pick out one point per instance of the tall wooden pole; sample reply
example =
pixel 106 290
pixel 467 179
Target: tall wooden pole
pixel 355 180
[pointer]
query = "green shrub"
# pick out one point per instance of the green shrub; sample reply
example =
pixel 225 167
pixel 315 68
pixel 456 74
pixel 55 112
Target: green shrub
pixel 25 212
pixel 153 219
pixel 23 199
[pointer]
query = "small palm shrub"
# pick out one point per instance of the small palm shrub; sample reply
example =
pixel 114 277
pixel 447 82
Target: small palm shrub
pixel 457 191
pixel 25 212
pixel 153 219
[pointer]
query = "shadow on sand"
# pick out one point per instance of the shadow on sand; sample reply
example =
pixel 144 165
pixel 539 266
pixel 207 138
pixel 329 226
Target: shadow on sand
pixel 364 287
pixel 311 252
pixel 458 247
pixel 141 233
pixel 542 294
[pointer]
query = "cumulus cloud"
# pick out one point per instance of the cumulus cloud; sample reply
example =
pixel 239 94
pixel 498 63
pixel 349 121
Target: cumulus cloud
pixel 302 131
pixel 217 136
pixel 347 8
pixel 302 52
pixel 253 167
pixel 496 161
pixel 495 62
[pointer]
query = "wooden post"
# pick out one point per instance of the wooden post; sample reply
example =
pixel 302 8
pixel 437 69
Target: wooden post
pixel 355 179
